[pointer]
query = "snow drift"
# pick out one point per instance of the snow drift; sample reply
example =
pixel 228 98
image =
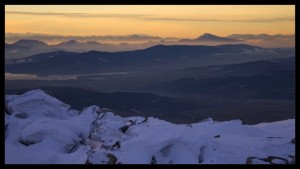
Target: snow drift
pixel 42 130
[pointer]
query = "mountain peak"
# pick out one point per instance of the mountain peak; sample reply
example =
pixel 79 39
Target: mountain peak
pixel 139 35
pixel 70 42
pixel 208 35
pixel 30 43
pixel 211 37
pixel 93 43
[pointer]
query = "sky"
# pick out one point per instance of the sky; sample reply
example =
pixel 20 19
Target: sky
pixel 181 21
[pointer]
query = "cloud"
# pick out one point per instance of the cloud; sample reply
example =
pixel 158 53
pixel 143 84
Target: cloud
pixel 147 18
pixel 183 19
pixel 75 14
pixel 286 19
pixel 45 13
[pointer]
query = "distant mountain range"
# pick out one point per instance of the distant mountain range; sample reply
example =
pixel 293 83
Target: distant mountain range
pixel 34 44
pixel 210 38
pixel 48 38
pixel 13 37
pixel 25 47
pixel 158 57
pixel 271 79
pixel 259 36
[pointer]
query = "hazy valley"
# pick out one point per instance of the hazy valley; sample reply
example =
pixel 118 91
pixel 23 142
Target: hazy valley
pixel 178 83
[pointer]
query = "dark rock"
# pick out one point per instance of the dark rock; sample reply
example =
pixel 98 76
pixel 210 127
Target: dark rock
pixel 217 136
pixel 274 137
pixel 26 142
pixel 112 159
pixel 292 159
pixel 116 145
pixel 124 129
pixel 201 155
pixel 70 148
pixel 249 160
pixel 269 159
pixel 145 120
pixel 21 115
pixel 6 132
pixel 88 162
pixel 153 160
pixel 6 126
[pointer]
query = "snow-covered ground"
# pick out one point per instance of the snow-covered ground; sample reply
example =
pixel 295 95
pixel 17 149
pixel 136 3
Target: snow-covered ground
pixel 42 130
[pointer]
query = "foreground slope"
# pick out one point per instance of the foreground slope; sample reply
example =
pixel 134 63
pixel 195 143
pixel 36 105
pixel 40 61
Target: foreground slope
pixel 42 129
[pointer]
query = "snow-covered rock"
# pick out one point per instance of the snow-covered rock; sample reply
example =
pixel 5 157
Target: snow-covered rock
pixel 37 103
pixel 42 129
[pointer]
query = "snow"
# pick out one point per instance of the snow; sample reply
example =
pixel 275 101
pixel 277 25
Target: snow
pixel 43 130
pixel 37 103
pixel 23 61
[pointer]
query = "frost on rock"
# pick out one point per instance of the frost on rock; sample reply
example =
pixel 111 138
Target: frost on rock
pixel 44 127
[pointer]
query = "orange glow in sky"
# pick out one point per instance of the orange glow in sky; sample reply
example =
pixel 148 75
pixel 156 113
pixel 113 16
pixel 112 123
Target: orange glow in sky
pixel 182 21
